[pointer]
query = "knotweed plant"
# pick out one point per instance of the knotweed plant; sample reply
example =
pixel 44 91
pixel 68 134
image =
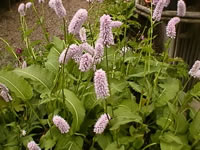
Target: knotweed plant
pixel 104 78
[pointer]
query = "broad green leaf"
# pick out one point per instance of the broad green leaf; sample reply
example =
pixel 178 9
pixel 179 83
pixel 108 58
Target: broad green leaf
pixel 52 60
pixel 196 90
pixel 58 44
pixel 114 146
pixel 136 86
pixel 16 84
pixel 195 126
pixel 169 141
pixel 76 108
pixel 104 140
pixel 123 116
pixel 181 123
pixel 42 78
pixel 66 142
pixel 169 90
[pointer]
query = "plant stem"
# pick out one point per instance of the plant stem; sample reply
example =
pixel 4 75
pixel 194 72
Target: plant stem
pixel 42 23
pixel 65 32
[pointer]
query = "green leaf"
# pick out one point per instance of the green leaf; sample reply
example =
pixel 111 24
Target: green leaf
pixel 58 44
pixel 124 115
pixel 195 126
pixel 170 88
pixel 169 141
pixel 52 60
pixel 76 108
pixel 136 87
pixel 195 90
pixel 114 146
pixel 104 140
pixel 16 84
pixel 42 77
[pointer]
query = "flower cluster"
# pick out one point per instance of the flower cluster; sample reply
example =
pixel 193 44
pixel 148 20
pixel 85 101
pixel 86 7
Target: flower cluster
pixel 195 70
pixel 61 124
pixel 77 21
pixel 181 8
pixel 58 7
pixel 4 93
pixel 106 30
pixel 86 62
pixel 171 27
pixel 101 123
pixel 101 84
pixel 82 34
pixel 33 146
pixel 23 7
pixel 99 52
pixel 158 10
pixel 69 53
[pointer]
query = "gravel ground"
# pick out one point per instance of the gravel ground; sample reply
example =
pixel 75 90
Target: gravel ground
pixel 10 25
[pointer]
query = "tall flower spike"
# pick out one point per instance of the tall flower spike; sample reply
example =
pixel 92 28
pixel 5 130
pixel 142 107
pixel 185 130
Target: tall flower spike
pixel 82 34
pixel 28 5
pixel 101 123
pixel 4 93
pixel 116 24
pixel 58 7
pixel 155 2
pixel 73 49
pixel 181 8
pixel 101 84
pixel 21 9
pixel 171 27
pixel 99 52
pixel 77 21
pixel 41 1
pixel 61 124
pixel 195 70
pixel 106 30
pixel 167 2
pixel 158 10
pixel 86 62
pixel 33 146
pixel 88 48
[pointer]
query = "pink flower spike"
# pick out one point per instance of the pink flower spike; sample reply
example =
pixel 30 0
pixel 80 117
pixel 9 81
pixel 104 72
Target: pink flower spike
pixel 21 9
pixel 77 21
pixel 195 70
pixel 28 5
pixel 101 123
pixel 116 24
pixel 181 8
pixel 99 52
pixel 101 84
pixel 158 10
pixel 171 27
pixel 82 34
pixel 155 2
pixel 86 62
pixel 167 2
pixel 33 146
pixel 61 124
pixel 4 93
pixel 106 30
pixel 58 7
pixel 88 48
pixel 71 52
pixel 41 1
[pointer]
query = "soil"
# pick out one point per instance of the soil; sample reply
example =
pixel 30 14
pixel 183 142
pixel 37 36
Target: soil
pixel 10 25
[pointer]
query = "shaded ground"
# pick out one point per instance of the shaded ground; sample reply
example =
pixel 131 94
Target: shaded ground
pixel 10 25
